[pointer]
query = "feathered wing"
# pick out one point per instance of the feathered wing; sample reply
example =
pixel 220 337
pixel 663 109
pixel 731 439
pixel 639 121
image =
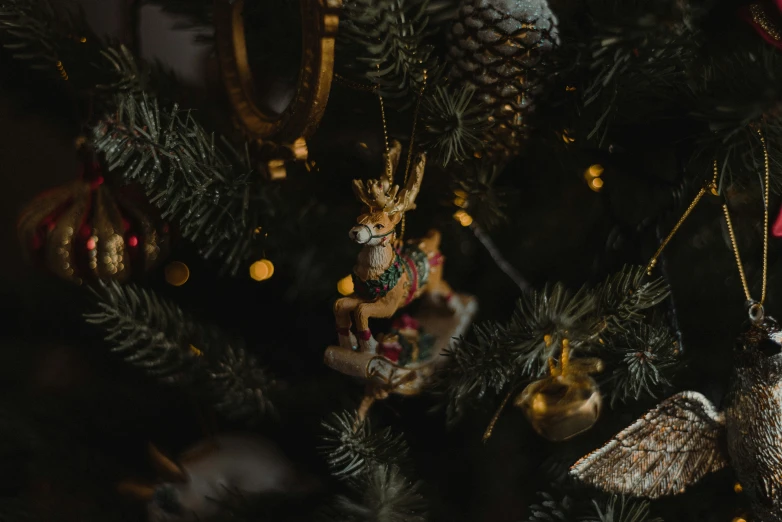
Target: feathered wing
pixel 663 452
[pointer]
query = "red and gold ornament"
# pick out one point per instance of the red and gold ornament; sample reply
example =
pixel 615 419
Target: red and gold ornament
pixel 765 16
pixel 88 229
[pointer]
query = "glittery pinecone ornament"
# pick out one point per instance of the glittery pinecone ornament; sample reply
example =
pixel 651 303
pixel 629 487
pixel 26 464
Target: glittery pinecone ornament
pixel 87 229
pixel 497 46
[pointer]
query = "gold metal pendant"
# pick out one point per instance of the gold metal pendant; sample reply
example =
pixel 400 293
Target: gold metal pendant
pixel 279 134
pixel 560 407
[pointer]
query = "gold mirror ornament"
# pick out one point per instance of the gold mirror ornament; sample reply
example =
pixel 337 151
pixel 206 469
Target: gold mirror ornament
pixel 279 133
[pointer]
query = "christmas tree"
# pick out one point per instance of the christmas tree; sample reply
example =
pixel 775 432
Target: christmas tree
pixel 393 260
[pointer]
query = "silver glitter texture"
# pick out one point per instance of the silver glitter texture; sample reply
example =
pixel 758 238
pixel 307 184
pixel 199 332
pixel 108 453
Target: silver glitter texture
pixel 684 437
pixel 495 46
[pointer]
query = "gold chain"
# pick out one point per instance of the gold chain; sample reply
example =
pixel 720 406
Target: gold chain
pixel 698 196
pixel 732 234
pixel 373 89
pixel 389 170
pixel 354 85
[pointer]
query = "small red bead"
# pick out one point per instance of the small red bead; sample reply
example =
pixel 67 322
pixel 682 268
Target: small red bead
pixel 132 241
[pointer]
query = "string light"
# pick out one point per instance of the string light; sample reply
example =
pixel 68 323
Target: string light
pixel 345 285
pixel 463 218
pixel 566 137
pixel 195 351
pixel 63 72
pixel 594 171
pixel 177 273
pixel 261 270
pixel 737 488
pixel 461 199
pixel 595 184
pixel 592 177
pixel 739 519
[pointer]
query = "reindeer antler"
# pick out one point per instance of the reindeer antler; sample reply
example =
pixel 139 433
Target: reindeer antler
pixel 379 194
pixel 406 199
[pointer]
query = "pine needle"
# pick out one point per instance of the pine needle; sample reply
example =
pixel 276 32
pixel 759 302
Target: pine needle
pixel 352 450
pixel 203 184
pixel 156 336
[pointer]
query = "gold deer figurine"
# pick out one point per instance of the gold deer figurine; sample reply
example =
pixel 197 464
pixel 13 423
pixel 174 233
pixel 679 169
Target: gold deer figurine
pixel 389 275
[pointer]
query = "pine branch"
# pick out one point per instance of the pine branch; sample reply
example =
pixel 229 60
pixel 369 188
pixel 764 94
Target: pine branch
pixel 553 509
pixel 241 386
pixel 623 296
pixel 543 319
pixel 384 495
pixel 147 332
pixel 473 370
pixel 56 39
pixel 35 31
pixel 477 193
pixel 158 337
pixel 382 42
pixel 640 357
pixel 496 357
pixel 638 54
pixel 736 95
pixel 627 511
pixel 454 124
pixel 205 186
pixel 352 451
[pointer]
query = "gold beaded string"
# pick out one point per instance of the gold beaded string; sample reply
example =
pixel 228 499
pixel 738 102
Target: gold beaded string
pixel 732 234
pixel 373 89
pixel 389 168
pixel 698 196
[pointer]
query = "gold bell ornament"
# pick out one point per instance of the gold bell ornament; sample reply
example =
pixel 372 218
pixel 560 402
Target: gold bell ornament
pixel 564 404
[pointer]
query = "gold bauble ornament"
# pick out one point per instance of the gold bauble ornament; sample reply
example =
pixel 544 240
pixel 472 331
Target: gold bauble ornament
pixel 562 406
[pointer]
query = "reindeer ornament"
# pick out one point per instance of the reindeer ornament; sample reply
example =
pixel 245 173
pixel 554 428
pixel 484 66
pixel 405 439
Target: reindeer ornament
pixel 388 276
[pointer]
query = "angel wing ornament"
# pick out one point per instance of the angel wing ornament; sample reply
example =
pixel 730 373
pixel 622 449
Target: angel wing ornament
pixel 685 437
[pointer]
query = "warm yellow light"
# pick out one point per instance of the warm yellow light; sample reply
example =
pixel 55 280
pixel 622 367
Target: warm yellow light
pixel 739 519
pixel 261 270
pixel 463 218
pixel 570 88
pixel 566 137
pixel 195 351
pixel 737 488
pixel 461 198
pixel 595 184
pixel 177 273
pixel 270 266
pixel 345 285
pixel 594 171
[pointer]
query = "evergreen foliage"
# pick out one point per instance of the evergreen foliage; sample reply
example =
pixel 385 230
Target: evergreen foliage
pixel 454 124
pixel 640 357
pixel 499 356
pixel 159 338
pixel 383 43
pixel 199 181
pixel 353 449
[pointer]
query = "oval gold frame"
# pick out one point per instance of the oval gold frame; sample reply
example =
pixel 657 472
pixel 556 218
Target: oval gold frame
pixel 320 19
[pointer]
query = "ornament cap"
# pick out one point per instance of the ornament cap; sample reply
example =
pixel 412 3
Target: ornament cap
pixel 755 312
